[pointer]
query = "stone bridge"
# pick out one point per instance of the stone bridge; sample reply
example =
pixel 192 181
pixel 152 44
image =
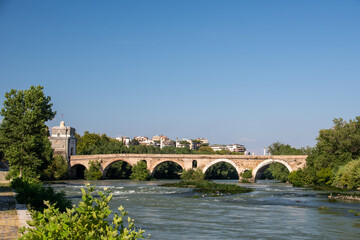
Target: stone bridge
pixel 187 161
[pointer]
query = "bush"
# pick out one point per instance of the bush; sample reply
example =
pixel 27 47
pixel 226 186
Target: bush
pixel 34 194
pixel 140 172
pixel 58 169
pixel 301 177
pixel 87 221
pixel 192 175
pixel 348 176
pixel 247 174
pixel 94 172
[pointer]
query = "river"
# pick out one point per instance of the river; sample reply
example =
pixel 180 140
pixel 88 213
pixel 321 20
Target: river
pixel 272 211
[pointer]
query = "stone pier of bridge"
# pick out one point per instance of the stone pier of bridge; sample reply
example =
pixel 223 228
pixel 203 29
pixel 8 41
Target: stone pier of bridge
pixel 187 161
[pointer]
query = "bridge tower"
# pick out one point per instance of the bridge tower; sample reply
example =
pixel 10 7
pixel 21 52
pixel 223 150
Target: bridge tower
pixel 63 140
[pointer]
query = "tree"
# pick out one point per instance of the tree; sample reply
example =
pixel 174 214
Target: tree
pixel 118 170
pixel 94 172
pixel 276 171
pixel 348 175
pixel 221 170
pixel 192 175
pixel 335 148
pixel 58 169
pixel 278 148
pixel 23 133
pixel 206 150
pixel 167 170
pixel 140 172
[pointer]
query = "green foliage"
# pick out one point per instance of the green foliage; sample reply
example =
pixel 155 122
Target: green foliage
pixel 58 169
pixel 205 150
pixel 192 175
pixel 324 176
pixel 301 177
pixel 94 172
pixel 276 171
pixel 140 172
pixel 119 170
pixel 33 193
pixel 348 176
pixel 23 133
pixel 335 148
pixel 278 148
pixel 221 170
pixel 167 170
pixel 208 187
pixel 247 174
pixel 87 221
pixel 92 143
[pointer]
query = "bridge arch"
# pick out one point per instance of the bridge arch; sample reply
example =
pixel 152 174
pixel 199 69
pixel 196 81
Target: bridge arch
pixel 77 171
pixel 152 171
pixel 267 162
pixel 222 160
pixel 107 165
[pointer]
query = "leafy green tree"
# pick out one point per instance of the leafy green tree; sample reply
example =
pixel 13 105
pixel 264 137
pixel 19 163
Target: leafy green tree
pixel 348 176
pixel 221 170
pixel 168 150
pixel 89 220
pixel 23 133
pixel 140 172
pixel 119 170
pixel 205 150
pixel 93 143
pixel 247 174
pixel 276 171
pixel 335 148
pixel 58 169
pixel 192 175
pixel 168 170
pixel 278 148
pixel 94 172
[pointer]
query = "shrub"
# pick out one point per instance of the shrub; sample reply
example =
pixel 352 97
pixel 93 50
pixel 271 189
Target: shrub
pixel 192 175
pixel 140 172
pixel 87 221
pixel 247 174
pixel 301 177
pixel 348 176
pixel 33 193
pixel 324 176
pixel 94 172
pixel 58 169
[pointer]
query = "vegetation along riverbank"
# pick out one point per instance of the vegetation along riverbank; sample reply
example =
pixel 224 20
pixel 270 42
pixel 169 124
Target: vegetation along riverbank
pixel 195 179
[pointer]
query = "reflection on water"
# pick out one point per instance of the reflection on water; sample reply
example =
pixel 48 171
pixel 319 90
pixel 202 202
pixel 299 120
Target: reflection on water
pixel 271 211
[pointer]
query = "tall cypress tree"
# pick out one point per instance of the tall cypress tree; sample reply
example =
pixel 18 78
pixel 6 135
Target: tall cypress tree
pixel 23 133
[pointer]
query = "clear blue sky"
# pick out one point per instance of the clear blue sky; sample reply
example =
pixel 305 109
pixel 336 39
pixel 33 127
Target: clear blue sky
pixel 249 72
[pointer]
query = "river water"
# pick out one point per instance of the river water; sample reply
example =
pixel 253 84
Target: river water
pixel 272 211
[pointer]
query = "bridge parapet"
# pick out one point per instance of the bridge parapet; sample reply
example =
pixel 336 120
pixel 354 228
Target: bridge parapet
pixel 240 162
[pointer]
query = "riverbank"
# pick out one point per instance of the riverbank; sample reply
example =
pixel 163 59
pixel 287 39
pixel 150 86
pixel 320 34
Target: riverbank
pixel 9 222
pixel 209 189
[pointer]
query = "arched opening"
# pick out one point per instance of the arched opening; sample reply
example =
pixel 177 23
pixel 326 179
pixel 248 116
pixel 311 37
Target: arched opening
pixel 194 164
pixel 118 170
pixel 221 170
pixel 167 170
pixel 77 171
pixel 273 170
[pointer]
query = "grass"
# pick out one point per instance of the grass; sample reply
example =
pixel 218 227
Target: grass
pixel 210 189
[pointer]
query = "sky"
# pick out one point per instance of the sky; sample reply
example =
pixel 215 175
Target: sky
pixel 248 72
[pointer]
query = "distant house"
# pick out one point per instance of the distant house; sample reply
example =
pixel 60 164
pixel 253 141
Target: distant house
pixel 236 148
pixel 125 140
